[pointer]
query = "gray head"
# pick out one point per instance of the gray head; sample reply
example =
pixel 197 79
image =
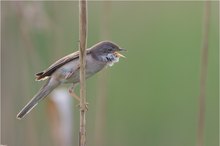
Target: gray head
pixel 106 51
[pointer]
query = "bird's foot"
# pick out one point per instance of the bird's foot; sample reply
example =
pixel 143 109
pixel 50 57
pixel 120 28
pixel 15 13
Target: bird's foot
pixel 83 107
pixel 73 94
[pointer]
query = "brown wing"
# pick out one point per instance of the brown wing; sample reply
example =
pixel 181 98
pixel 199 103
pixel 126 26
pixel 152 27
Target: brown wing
pixel 51 69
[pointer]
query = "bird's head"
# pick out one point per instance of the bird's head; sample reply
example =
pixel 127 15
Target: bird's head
pixel 107 52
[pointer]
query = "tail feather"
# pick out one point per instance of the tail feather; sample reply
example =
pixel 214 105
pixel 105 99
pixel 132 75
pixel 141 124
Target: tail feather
pixel 42 93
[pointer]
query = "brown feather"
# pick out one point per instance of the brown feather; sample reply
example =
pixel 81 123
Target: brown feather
pixel 51 69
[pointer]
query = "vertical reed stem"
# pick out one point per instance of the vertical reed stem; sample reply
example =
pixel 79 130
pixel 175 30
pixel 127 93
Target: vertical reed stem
pixel 82 57
pixel 203 76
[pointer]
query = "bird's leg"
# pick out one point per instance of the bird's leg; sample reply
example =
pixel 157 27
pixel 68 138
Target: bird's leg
pixel 72 93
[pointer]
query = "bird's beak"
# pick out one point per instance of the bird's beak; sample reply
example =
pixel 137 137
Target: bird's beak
pixel 120 55
pixel 122 49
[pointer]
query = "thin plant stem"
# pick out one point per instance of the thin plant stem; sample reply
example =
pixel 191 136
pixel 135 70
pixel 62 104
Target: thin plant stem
pixel 82 57
pixel 203 76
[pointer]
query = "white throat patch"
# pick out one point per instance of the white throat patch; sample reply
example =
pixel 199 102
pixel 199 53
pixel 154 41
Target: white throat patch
pixel 110 59
pixel 111 63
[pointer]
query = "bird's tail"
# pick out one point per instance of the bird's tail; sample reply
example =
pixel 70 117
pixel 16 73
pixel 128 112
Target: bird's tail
pixel 41 94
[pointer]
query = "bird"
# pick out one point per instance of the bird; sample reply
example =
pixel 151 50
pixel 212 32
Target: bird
pixel 67 71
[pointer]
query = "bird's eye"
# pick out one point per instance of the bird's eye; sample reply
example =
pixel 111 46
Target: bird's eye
pixel 109 49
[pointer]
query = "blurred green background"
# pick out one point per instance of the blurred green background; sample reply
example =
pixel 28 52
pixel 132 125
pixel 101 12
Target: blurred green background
pixel 152 95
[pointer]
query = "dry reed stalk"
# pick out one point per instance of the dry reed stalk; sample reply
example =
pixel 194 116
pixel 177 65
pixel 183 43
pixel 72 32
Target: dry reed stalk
pixel 203 76
pixel 82 57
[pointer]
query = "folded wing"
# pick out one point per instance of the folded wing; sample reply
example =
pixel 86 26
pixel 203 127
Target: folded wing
pixel 51 69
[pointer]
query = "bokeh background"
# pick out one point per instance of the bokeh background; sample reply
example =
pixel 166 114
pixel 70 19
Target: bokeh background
pixel 150 98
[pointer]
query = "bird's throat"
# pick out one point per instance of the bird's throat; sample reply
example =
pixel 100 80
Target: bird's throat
pixel 110 59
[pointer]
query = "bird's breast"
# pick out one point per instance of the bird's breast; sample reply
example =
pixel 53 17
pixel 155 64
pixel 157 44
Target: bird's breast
pixel 93 66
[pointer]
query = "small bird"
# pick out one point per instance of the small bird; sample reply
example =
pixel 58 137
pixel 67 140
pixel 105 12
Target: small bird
pixel 66 70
